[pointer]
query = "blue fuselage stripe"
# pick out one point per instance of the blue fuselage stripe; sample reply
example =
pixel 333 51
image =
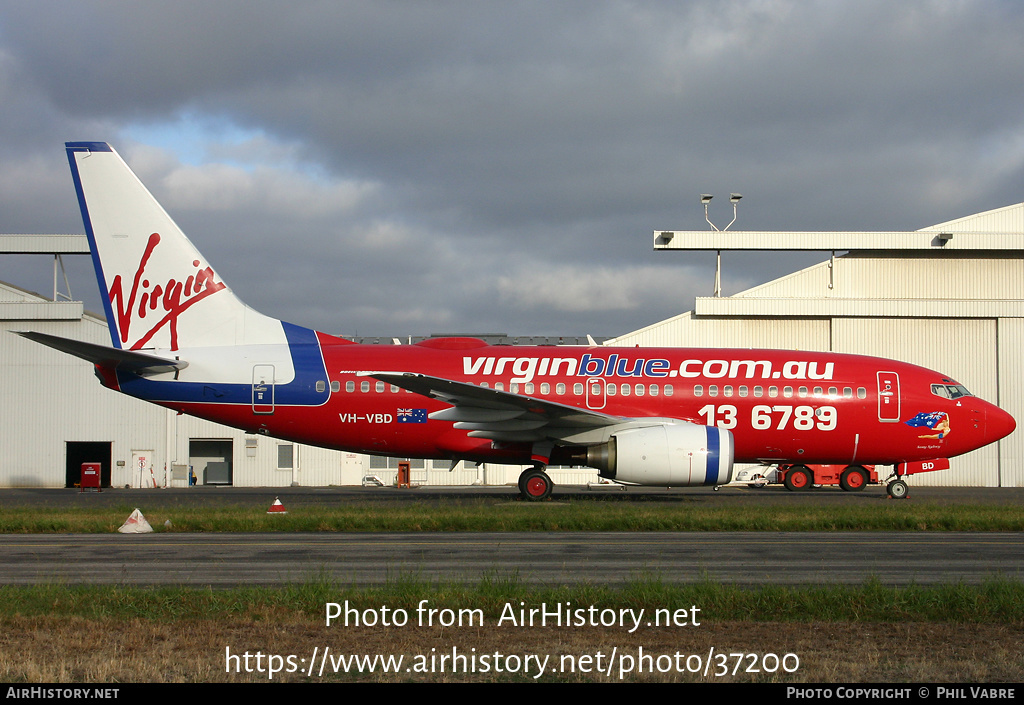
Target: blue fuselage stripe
pixel 307 360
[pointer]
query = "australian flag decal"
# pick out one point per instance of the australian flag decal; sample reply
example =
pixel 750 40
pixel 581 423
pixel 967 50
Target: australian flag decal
pixel 411 415
pixel 926 419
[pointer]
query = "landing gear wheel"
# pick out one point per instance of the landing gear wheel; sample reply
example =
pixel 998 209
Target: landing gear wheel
pixel 535 485
pixel 798 479
pixel 897 489
pixel 853 479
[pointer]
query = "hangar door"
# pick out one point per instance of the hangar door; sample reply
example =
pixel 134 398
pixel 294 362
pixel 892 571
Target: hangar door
pixel 78 452
pixel 211 460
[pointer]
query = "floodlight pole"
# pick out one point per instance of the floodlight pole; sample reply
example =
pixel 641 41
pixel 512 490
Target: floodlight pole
pixel 705 198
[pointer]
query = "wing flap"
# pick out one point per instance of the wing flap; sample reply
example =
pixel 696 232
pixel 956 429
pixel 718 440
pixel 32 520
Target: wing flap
pixel 497 415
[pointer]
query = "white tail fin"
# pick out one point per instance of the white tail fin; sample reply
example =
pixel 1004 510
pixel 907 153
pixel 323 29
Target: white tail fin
pixel 157 288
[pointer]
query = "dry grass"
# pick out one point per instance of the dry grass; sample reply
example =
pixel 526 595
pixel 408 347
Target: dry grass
pixel 73 649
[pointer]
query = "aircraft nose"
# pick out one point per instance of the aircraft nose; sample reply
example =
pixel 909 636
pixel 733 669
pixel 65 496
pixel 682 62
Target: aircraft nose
pixel 998 424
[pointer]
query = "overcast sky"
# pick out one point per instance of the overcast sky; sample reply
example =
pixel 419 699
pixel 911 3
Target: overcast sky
pixel 407 168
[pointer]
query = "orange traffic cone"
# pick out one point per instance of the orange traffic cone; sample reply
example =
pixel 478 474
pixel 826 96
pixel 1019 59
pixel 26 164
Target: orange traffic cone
pixel 277 507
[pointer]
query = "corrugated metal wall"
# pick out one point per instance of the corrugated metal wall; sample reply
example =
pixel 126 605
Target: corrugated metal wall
pixel 1010 339
pixel 924 277
pixel 687 331
pixel 1008 219
pixel 49 398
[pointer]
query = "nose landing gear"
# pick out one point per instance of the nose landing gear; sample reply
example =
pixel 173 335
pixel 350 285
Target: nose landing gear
pixel 897 489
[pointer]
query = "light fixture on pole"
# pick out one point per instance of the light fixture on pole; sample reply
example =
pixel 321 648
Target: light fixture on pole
pixel 734 199
pixel 705 198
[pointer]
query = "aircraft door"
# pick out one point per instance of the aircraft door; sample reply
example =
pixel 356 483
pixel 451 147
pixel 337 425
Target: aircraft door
pixel 263 389
pixel 595 393
pixel 888 397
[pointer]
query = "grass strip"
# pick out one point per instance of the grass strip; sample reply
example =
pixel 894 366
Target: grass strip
pixel 995 601
pixel 573 515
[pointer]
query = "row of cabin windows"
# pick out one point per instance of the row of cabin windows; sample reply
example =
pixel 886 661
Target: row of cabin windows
pixel 611 389
pixel 759 391
pixel 389 463
pixel 514 387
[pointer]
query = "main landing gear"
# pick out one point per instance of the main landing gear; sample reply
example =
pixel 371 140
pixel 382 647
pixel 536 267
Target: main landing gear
pixel 535 485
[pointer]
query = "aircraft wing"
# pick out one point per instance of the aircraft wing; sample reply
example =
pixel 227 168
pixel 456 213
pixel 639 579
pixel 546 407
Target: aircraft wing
pixel 497 415
pixel 131 360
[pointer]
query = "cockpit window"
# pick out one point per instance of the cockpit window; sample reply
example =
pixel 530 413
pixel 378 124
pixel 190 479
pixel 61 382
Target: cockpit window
pixel 950 391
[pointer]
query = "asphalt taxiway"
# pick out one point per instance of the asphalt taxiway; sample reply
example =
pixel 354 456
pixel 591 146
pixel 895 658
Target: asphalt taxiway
pixel 552 558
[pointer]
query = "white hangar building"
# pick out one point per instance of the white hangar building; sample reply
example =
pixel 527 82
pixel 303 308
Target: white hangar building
pixel 949 297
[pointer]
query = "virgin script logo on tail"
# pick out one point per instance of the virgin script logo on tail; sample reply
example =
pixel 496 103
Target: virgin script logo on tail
pixel 171 298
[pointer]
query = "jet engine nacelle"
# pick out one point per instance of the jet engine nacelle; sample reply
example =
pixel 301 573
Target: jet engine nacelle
pixel 671 455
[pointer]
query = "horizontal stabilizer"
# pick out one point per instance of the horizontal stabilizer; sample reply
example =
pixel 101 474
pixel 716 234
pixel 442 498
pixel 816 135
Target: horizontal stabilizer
pixel 112 358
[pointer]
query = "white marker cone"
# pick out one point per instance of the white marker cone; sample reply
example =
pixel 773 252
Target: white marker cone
pixel 136 524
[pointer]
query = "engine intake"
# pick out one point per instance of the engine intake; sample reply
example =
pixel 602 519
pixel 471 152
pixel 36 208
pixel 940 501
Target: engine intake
pixel 671 455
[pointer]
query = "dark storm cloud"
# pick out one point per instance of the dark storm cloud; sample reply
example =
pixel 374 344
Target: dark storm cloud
pixel 452 166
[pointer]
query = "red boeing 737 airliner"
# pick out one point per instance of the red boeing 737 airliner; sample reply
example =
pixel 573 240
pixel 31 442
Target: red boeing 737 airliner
pixel 650 416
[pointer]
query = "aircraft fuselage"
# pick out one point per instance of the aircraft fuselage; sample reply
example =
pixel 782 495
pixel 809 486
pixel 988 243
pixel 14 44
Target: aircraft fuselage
pixel 781 406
